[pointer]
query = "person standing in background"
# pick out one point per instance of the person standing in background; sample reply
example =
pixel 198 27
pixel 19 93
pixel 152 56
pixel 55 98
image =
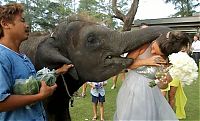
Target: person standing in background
pixel 98 96
pixel 196 49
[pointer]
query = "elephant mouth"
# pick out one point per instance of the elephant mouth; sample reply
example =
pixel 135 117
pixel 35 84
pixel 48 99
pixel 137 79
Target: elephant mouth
pixel 120 60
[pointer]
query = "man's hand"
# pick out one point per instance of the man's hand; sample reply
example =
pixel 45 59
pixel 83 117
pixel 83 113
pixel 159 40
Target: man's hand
pixel 45 90
pixel 64 69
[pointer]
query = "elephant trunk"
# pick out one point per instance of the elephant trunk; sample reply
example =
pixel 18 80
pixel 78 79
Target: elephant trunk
pixel 131 40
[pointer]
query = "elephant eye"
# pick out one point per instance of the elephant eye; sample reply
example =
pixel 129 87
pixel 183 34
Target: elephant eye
pixel 93 41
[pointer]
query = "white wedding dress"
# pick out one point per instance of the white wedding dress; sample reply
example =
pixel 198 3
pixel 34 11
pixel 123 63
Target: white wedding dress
pixel 136 101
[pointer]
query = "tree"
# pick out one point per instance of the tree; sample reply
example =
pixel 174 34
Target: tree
pixel 126 18
pixel 89 6
pixel 99 9
pixel 44 15
pixel 184 7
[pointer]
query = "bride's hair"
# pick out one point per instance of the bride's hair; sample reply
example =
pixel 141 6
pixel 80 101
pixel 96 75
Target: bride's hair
pixel 173 42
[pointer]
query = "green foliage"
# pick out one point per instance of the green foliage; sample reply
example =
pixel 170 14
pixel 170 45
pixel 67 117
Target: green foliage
pixel 184 7
pixel 44 15
pixel 33 83
pixel 100 9
pixel 88 5
pixel 30 86
pixel 123 5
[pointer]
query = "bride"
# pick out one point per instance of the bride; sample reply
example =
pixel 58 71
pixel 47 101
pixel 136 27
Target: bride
pixel 136 100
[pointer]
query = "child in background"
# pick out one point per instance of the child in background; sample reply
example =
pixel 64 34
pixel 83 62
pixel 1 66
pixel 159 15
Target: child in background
pixel 98 96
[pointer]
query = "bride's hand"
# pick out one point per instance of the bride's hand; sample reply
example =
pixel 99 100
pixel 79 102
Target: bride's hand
pixel 163 84
pixel 155 60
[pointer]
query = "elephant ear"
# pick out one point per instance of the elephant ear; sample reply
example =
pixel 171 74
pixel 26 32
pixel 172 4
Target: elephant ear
pixel 48 55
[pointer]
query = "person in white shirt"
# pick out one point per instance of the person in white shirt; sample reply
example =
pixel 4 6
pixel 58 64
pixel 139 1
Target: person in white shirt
pixel 196 49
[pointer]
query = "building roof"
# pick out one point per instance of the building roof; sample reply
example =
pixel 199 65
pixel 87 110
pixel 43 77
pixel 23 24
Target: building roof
pixel 186 24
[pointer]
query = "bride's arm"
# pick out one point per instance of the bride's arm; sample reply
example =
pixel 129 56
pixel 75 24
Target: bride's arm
pixel 137 63
pixel 134 55
pixel 154 60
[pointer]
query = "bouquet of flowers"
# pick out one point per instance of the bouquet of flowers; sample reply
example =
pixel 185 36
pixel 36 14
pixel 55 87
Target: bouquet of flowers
pixel 183 68
pixel 160 74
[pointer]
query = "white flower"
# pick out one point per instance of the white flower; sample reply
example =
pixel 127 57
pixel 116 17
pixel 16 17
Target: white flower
pixel 184 68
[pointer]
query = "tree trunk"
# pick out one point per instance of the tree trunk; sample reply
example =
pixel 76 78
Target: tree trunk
pixel 129 17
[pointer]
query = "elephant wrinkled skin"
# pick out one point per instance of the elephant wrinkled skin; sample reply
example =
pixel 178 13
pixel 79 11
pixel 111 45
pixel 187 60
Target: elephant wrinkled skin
pixel 93 49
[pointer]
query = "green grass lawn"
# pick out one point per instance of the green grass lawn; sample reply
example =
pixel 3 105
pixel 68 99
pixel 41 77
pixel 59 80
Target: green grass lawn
pixel 82 109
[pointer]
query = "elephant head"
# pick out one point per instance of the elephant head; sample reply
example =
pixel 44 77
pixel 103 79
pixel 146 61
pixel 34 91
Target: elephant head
pixel 95 50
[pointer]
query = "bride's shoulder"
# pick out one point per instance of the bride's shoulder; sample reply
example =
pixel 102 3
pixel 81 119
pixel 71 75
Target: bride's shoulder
pixel 134 54
pixel 144 48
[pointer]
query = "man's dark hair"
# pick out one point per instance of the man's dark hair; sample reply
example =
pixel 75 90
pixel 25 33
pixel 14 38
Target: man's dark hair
pixel 197 35
pixel 8 13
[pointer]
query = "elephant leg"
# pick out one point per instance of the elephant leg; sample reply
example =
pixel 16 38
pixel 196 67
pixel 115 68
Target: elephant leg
pixel 58 112
pixel 59 116
pixel 57 106
pixel 63 116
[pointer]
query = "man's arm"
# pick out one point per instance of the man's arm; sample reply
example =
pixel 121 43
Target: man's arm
pixel 63 69
pixel 15 101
